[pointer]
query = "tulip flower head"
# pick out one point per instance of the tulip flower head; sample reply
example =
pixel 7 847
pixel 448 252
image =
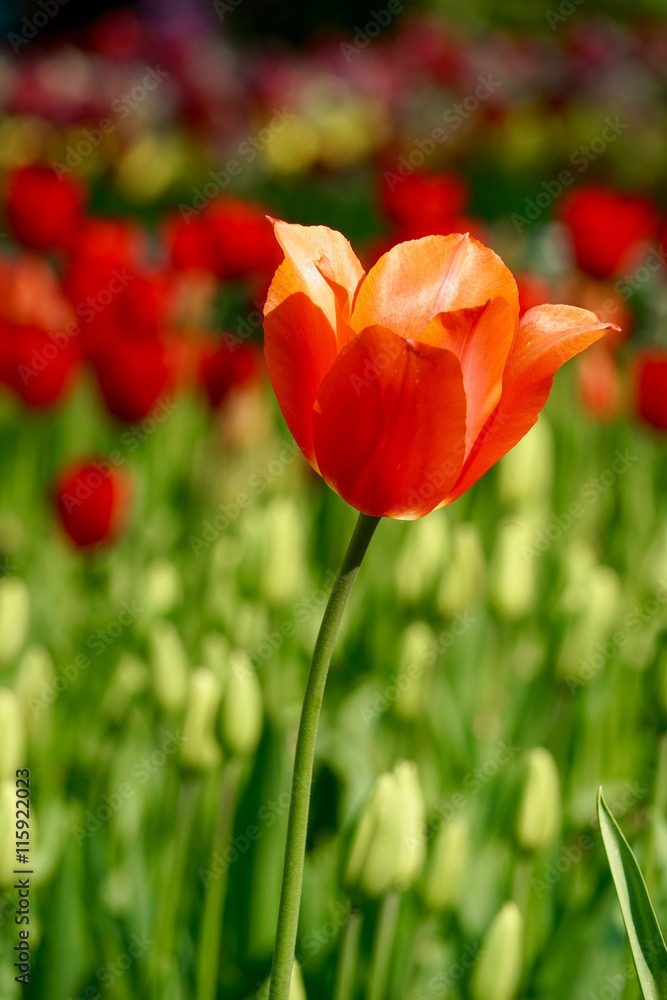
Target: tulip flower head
pixel 42 208
pixel 651 387
pixel 91 501
pixel 404 385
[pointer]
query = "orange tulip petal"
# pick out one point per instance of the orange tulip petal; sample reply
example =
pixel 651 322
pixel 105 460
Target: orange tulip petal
pixel 389 424
pixel 481 338
pixel 328 266
pixel 416 280
pixel 299 347
pixel 546 338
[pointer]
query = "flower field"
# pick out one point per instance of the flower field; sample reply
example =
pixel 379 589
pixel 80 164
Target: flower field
pixel 167 553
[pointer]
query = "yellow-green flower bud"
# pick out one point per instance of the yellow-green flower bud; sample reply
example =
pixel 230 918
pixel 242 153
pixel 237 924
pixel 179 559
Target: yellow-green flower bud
pixel 447 868
pixel 416 658
pixel 130 678
pixel 12 734
pixel 169 663
pixel 389 846
pixel 284 562
pixel 160 587
pixel 36 676
pixel 498 970
pixel 512 583
pixel 463 580
pixel 241 715
pixel 525 473
pixel 424 554
pixel 14 617
pixel 201 750
pixel 586 647
pixel 539 819
pixel 215 654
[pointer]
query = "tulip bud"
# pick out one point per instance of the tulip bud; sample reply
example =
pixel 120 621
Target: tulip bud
pixel 241 714
pixel 35 675
pixel 498 970
pixel 586 648
pixel 512 583
pixel 389 847
pixel 12 734
pixel 416 657
pixel 463 580
pixel 526 472
pixel 284 557
pixel 200 750
pixel 7 831
pixel 170 666
pixel 34 688
pixel 131 676
pixel 215 654
pixel 160 587
pixel 539 818
pixel 446 873
pixel 14 617
pixel 423 556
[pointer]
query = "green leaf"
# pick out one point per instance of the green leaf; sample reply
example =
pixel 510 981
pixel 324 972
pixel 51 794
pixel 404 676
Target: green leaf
pixel 646 940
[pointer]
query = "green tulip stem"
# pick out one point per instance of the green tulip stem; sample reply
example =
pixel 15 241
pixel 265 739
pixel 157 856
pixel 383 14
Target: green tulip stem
pixel 383 943
pixel 347 958
pixel 297 824
pixel 214 896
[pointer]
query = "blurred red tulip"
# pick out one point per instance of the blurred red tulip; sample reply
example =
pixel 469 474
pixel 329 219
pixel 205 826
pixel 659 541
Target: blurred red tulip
pixel 608 228
pixel 650 372
pixel 133 375
pixel 223 369
pixel 43 209
pixel 422 196
pixel 40 368
pixel 191 244
pixel 534 290
pixel 92 501
pixel 600 386
pixel 404 385
pixel 243 239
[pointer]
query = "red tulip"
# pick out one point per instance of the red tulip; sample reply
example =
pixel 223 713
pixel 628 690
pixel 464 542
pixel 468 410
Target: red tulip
pixel 191 244
pixel 403 386
pixel 651 387
pixel 244 243
pixel 41 369
pixel 92 500
pixel 134 375
pixel 607 228
pixel 43 209
pixel 600 384
pixel 422 196
pixel 223 369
